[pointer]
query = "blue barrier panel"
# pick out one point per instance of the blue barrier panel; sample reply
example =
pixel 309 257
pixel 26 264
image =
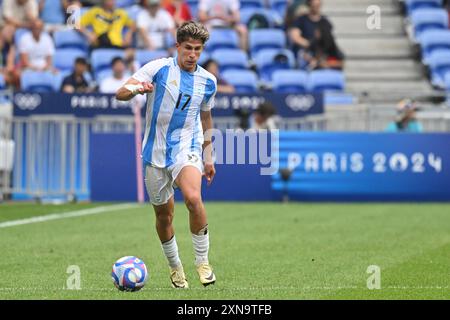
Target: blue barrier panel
pixel 113 174
pixel 365 166
pixel 90 105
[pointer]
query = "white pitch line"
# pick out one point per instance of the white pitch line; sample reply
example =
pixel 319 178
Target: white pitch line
pixel 70 214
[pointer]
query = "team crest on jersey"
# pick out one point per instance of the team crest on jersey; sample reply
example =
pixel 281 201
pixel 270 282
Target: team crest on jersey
pixel 192 157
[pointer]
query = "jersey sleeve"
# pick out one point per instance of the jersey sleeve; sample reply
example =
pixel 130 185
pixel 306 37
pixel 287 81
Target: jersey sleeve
pixel 210 94
pixel 87 18
pixel 148 71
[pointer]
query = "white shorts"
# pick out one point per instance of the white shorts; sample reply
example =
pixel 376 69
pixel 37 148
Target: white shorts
pixel 160 182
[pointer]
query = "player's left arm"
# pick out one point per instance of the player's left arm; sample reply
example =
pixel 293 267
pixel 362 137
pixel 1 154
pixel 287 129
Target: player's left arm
pixel 207 125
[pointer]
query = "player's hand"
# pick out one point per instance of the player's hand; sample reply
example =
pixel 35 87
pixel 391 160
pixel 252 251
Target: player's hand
pixel 210 172
pixel 147 87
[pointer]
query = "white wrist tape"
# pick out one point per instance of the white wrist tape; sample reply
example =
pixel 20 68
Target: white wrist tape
pixel 133 87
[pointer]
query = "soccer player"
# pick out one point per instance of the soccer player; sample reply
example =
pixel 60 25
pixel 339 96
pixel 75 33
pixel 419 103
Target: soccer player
pixel 180 95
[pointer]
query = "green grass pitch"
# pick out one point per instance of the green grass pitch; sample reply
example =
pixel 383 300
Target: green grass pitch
pixel 258 251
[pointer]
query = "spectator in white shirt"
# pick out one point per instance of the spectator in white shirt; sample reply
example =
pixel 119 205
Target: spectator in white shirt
pixel 36 49
pixel 119 77
pixel 18 13
pixel 223 14
pixel 153 23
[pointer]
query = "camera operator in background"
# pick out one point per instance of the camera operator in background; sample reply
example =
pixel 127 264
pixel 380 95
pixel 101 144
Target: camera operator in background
pixel 406 120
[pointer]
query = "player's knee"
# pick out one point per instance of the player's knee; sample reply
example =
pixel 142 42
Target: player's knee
pixel 193 201
pixel 164 218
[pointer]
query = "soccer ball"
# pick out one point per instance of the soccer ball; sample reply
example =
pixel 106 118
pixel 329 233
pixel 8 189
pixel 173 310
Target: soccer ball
pixel 129 274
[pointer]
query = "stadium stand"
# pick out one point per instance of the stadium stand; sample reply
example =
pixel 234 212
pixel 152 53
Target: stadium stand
pixel 144 56
pixel 244 81
pixel 439 63
pixel 290 81
pixel 70 39
pixel 52 12
pixel 433 40
pixel 222 39
pixel 251 4
pixel 64 59
pixel 2 82
pixel 267 61
pixel 266 39
pixel 412 5
pixel 101 58
pixel 230 59
pixel 37 81
pixel 321 80
pixel 428 19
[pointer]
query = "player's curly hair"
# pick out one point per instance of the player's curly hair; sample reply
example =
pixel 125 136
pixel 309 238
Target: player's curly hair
pixel 192 30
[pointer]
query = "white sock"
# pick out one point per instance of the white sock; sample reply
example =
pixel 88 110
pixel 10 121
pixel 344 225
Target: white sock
pixel 201 246
pixel 170 249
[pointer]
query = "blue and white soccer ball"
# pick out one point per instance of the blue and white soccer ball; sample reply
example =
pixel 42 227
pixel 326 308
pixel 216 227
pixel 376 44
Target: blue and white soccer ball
pixel 129 274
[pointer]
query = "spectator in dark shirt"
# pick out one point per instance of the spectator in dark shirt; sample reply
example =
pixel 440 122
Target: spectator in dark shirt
pixel 313 41
pixel 76 82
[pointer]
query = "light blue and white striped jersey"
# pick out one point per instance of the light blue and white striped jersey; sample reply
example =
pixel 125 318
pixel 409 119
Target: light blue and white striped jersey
pixel 173 125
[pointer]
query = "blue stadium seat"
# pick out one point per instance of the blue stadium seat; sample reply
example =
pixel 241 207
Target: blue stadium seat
pixel 265 39
pixel 53 12
pixel 222 39
pixel 428 19
pixel 170 40
pixel 193 6
pixel 38 81
pixel 230 59
pixel 447 82
pixel 279 6
pixel 273 17
pixel 70 39
pixel 245 4
pixel 412 5
pixel 203 58
pixel 64 59
pixel 18 35
pixel 321 80
pixel 133 11
pixel 2 82
pixel 433 40
pixel 99 76
pixel 439 63
pixel 244 81
pixel 290 81
pixel 266 63
pixel 145 56
pixel 101 58
pixel 124 3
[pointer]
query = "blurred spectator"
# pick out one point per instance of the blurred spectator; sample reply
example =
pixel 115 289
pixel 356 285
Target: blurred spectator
pixel 77 82
pixel 313 39
pixel 7 55
pixel 108 24
pixel 153 23
pixel 222 86
pixel 179 10
pixel 36 49
pixel 223 14
pixel 406 121
pixel 113 83
pixel 19 13
pixel 294 9
pixel 262 117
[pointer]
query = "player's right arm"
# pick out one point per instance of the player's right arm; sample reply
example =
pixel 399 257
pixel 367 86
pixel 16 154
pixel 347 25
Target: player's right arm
pixel 131 88
pixel 141 81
